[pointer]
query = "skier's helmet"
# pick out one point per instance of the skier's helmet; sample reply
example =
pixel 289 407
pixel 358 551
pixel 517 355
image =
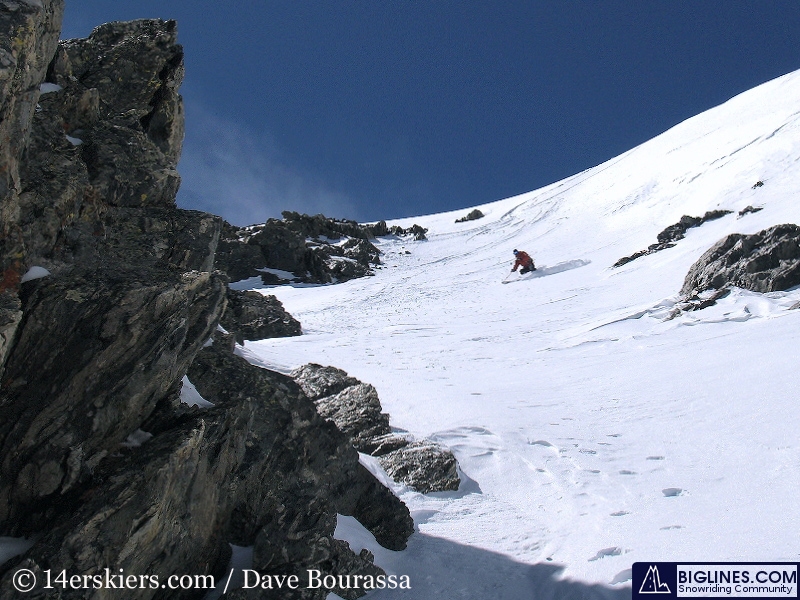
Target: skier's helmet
pixel 516 251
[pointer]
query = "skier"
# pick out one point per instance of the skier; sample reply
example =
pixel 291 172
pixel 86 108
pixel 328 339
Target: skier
pixel 524 261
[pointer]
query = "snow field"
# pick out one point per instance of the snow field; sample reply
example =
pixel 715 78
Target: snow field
pixel 593 431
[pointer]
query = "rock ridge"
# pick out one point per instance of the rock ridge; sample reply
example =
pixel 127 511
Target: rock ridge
pixel 672 234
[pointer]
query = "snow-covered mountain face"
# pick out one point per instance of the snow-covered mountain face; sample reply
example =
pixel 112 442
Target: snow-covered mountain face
pixel 593 431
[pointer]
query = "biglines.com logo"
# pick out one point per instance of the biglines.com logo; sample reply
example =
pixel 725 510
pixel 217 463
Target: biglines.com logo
pixel 660 580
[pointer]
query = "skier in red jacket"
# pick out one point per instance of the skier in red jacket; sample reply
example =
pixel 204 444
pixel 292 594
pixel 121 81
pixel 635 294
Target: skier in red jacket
pixel 524 261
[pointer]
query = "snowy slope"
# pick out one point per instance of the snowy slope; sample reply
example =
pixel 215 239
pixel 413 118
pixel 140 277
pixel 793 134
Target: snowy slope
pixel 592 432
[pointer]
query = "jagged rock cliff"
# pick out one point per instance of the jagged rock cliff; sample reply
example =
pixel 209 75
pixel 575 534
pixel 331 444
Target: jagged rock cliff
pixel 29 38
pixel 94 354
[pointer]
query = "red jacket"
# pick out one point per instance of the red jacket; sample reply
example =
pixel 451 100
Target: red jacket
pixel 523 260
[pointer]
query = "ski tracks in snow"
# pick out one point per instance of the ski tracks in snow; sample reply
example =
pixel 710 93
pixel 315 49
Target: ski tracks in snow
pixel 560 478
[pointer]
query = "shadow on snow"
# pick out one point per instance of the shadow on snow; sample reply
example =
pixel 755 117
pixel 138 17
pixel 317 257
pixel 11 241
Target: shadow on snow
pixel 443 569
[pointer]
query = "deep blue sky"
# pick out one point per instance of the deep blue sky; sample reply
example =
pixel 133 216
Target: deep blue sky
pixel 376 109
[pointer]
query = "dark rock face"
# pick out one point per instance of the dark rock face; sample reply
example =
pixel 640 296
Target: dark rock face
pixel 237 258
pixel 183 239
pixel 253 316
pixel 471 216
pixel 121 84
pixel 10 317
pixel 28 38
pixel 260 468
pixel 356 410
pixel 97 350
pixel 108 135
pixel 767 261
pixel 307 472
pixel 670 235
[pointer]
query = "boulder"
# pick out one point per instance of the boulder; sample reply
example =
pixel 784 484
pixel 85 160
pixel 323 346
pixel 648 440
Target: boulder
pixel 318 381
pixel 254 316
pixel 471 216
pixel 767 261
pixel 356 410
pixel 422 465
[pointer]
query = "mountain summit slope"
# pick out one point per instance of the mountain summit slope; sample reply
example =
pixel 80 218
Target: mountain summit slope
pixel 593 426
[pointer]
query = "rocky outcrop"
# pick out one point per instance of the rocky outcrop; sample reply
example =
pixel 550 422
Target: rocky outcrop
pixel 259 469
pixel 91 350
pixel 120 97
pixel 320 226
pixel 381 229
pixel 307 472
pixel 254 316
pixel 750 209
pixel 251 251
pixel 107 136
pixel 471 216
pixel 356 410
pixel 670 235
pixel 767 261
pixel 310 249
